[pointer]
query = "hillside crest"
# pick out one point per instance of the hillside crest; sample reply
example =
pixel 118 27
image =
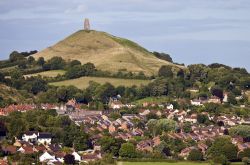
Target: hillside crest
pixel 107 52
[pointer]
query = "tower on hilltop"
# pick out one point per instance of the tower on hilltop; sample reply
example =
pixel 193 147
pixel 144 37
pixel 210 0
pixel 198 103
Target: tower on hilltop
pixel 86 24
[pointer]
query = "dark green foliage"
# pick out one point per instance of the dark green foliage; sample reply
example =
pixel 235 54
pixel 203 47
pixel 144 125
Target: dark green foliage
pixel 202 118
pixel 187 127
pixel 240 130
pixel 166 71
pixel 2 79
pixel 111 145
pixel 31 60
pixel 69 159
pixel 244 153
pixel 163 56
pixel 220 159
pixel 217 91
pixel 223 146
pixel 127 150
pixel 55 63
pixel 63 130
pixel 77 71
pixel 35 85
pixel 74 63
pixel 40 61
pixel 195 155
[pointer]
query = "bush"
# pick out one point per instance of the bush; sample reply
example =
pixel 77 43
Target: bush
pixel 195 155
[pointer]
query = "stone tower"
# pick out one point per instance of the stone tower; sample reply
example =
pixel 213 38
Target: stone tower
pixel 86 24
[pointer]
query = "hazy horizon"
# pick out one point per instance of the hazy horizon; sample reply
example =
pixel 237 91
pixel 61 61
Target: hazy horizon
pixel 190 31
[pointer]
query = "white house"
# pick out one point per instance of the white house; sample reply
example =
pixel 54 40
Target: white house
pixel 45 157
pixel 77 156
pixel 30 136
pixel 44 138
pixel 170 106
pixel 196 102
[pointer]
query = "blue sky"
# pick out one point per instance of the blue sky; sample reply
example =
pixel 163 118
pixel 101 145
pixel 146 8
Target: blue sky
pixel 191 31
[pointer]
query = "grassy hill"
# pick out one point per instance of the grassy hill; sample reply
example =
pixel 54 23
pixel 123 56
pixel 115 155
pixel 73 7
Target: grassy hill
pixel 83 82
pixel 8 93
pixel 107 52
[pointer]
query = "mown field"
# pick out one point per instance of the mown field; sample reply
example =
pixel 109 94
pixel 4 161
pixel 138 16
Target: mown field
pixel 160 163
pixel 83 82
pixel 50 73
pixel 167 163
pixel 152 100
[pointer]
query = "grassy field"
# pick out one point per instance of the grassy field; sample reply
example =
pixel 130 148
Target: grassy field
pixel 167 163
pixel 153 100
pixel 50 73
pixel 83 82
pixel 160 163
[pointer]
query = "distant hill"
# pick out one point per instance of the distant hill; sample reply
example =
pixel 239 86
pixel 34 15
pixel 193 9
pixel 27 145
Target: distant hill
pixel 107 52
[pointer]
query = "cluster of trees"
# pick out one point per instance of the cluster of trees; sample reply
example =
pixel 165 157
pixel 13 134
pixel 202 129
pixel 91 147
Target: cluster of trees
pixel 77 70
pixel 18 58
pixel 63 130
pixel 157 127
pixel 163 56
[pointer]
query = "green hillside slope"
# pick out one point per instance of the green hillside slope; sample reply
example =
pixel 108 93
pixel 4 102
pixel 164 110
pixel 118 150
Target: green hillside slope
pixel 107 52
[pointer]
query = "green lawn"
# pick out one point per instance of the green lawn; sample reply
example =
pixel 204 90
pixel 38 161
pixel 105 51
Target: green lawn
pixel 83 82
pixel 168 163
pixel 50 73
pixel 152 100
pixel 160 163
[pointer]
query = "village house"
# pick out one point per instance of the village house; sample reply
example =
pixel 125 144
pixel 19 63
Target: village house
pixel 196 102
pixel 185 152
pixel 47 157
pixel 214 99
pixel 30 136
pixel 114 103
pixel 170 106
pixel 37 137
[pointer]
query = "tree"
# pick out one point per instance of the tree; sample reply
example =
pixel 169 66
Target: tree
pixel 223 146
pixel 16 127
pixel 81 142
pixel 195 155
pixel 166 125
pixel 69 159
pixel 56 63
pixel 217 91
pixel 36 85
pixel 202 118
pixel 31 60
pixel 111 145
pixel 127 150
pixel 187 127
pixel 104 92
pixel 163 149
pixel 159 87
pixel 244 153
pixel 231 99
pixel 220 159
pixel 163 56
pixel 166 71
pixel 22 64
pixel 74 63
pixel 240 130
pixel 41 61
pixel 2 79
pixel 15 56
